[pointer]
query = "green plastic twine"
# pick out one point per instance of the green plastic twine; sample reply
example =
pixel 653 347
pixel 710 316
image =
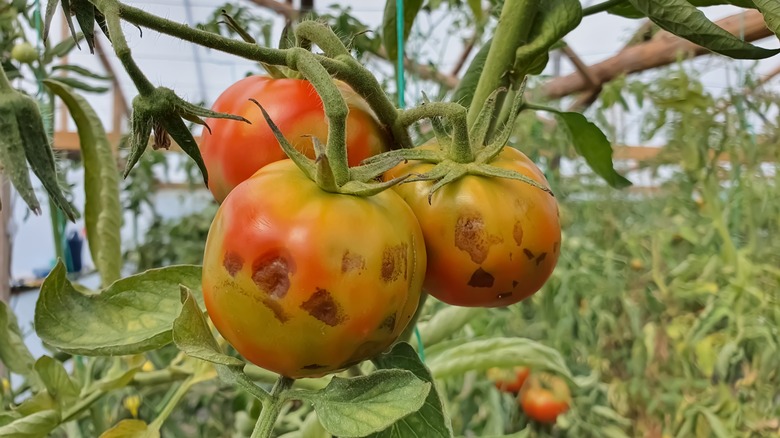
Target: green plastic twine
pixel 401 84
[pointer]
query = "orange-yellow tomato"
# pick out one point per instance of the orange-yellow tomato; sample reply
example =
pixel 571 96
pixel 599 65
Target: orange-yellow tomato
pixel 233 151
pixel 544 398
pixel 491 242
pixel 304 282
pixel 509 380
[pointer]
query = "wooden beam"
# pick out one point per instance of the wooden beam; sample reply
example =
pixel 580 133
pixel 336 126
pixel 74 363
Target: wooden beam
pixel 663 49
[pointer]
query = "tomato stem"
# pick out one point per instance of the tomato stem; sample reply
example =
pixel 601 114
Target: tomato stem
pixel 271 409
pixel 512 31
pixel 5 84
pixel 601 7
pixel 460 150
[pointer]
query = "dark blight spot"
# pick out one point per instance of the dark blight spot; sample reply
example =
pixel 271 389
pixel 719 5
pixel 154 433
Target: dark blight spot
pixel 388 323
pixel 314 366
pixel 232 263
pixel 481 278
pixel 271 275
pixel 515 283
pixel 503 295
pixel 556 246
pixel 518 233
pixel 471 237
pixel 528 253
pixel 540 259
pixel 352 262
pixel 394 263
pixel 322 306
pixel 277 309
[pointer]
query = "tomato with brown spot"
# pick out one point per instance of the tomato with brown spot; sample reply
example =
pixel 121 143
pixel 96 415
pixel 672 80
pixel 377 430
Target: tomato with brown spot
pixel 304 282
pixel 491 242
pixel 233 150
pixel 544 398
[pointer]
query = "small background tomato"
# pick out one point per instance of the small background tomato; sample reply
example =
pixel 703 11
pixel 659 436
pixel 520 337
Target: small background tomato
pixel 304 282
pixel 233 151
pixel 508 380
pixel 491 242
pixel 544 397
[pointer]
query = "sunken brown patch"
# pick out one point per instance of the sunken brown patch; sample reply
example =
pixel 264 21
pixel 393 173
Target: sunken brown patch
pixel 541 258
pixel 503 295
pixel 528 253
pixel 388 323
pixel 277 309
pixel 517 233
pixel 481 278
pixel 322 306
pixel 314 366
pixel 272 275
pixel 352 262
pixel 556 246
pixel 471 237
pixel 515 283
pixel 232 263
pixel 394 263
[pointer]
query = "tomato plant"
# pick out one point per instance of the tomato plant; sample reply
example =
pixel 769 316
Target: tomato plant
pixel 304 282
pixel 509 380
pixel 544 398
pixel 490 241
pixel 233 151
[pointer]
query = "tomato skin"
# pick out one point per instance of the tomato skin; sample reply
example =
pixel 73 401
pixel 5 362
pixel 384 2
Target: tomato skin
pixel 491 242
pixel 542 405
pixel 304 282
pixel 509 380
pixel 233 151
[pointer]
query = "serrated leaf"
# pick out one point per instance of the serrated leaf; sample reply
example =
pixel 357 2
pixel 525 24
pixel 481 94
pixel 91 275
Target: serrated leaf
pixel 390 26
pixel 481 355
pixel 80 70
pixel 79 85
pixel 102 210
pixel 192 335
pixel 771 11
pixel 468 84
pixel 13 351
pixel 133 315
pixel 359 406
pixel 131 429
pixel 591 143
pixel 36 425
pixel 56 380
pixel 430 421
pixel 686 21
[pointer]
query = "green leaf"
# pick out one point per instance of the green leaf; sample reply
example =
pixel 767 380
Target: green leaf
pixel 389 25
pixel 446 322
pixel 525 433
pixel 468 84
pixel 8 417
pixel 476 9
pixel 192 335
pixel 359 406
pixel 430 421
pixel 79 85
pixel 13 352
pixel 594 146
pixel 133 315
pixel 771 11
pixel 102 211
pixel 56 380
pixel 629 11
pixel 36 425
pixel 61 49
pixel 131 429
pixel 684 20
pixel 554 20
pixel 80 70
pixel 481 355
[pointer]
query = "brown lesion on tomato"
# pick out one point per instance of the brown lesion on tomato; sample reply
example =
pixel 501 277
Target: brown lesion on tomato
pixel 556 247
pixel 517 233
pixel 504 295
pixel 322 306
pixel 394 263
pixel 541 258
pixel 277 309
pixel 233 263
pixel 388 323
pixel 472 237
pixel 528 253
pixel 515 283
pixel 352 262
pixel 272 274
pixel 481 278
pixel 314 366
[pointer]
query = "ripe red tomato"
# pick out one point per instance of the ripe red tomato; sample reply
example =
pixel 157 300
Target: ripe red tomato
pixel 491 242
pixel 509 380
pixel 304 282
pixel 234 151
pixel 542 404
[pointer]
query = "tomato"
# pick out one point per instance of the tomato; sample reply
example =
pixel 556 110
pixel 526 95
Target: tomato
pixel 509 380
pixel 304 282
pixel 491 241
pixel 24 52
pixel 233 151
pixel 544 398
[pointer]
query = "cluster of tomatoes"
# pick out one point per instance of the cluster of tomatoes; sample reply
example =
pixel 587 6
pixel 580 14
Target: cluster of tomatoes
pixel 304 281
pixel 541 396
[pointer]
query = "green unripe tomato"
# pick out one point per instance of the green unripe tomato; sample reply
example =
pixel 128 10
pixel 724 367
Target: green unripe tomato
pixel 24 53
